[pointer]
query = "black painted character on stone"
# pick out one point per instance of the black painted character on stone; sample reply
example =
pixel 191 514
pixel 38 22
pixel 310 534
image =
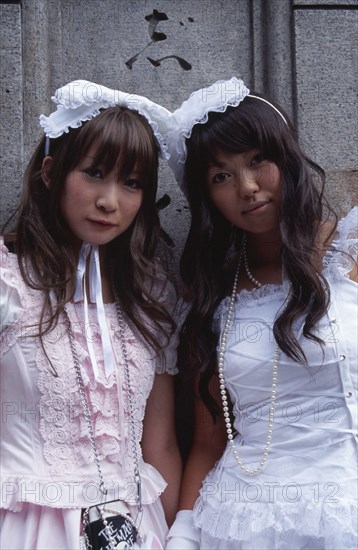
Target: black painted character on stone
pixel 154 19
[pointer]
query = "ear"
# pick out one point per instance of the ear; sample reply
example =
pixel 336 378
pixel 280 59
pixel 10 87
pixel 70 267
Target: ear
pixel 46 166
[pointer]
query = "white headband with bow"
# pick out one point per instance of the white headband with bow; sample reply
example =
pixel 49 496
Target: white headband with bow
pixel 82 100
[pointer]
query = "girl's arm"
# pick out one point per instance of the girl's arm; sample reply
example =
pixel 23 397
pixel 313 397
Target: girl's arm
pixel 209 443
pixel 208 446
pixel 159 444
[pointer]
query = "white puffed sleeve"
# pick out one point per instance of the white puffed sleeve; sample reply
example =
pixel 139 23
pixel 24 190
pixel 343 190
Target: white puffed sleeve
pixel 343 251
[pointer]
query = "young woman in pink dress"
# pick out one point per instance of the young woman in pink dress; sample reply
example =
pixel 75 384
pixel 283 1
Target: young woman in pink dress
pixel 88 336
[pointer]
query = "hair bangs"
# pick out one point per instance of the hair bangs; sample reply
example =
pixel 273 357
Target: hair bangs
pixel 231 133
pixel 252 125
pixel 123 142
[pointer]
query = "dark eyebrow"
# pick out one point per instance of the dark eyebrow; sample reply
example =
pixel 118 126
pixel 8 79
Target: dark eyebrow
pixel 216 164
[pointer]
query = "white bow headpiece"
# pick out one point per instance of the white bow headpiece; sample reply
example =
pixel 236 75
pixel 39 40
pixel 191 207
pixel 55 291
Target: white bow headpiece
pixel 82 100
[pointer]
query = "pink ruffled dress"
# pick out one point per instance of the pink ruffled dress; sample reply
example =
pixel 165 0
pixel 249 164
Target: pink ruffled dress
pixel 306 495
pixel 48 472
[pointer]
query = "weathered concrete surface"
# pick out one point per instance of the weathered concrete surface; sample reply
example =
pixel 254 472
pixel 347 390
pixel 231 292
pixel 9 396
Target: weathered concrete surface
pixel 304 58
pixel 326 80
pixel 11 120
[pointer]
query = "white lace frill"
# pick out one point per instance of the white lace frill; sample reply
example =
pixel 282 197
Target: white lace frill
pixel 301 524
pixel 342 254
pixel 195 110
pixel 81 100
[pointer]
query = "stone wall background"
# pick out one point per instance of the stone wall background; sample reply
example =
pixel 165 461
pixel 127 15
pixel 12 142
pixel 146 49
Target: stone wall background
pixel 301 52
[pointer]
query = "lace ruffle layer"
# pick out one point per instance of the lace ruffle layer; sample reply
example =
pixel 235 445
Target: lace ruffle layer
pixel 236 525
pixel 77 493
pixel 67 447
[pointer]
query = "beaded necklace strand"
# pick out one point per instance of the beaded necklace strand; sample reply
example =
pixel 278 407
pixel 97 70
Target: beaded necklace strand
pixel 221 364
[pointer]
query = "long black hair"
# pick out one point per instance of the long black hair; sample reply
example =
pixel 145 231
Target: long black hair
pixel 253 124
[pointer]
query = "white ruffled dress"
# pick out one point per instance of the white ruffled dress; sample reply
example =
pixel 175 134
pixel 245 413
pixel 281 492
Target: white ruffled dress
pixel 48 472
pixel 306 495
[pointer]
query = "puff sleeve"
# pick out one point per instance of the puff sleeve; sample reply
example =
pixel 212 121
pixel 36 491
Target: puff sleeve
pixel 343 251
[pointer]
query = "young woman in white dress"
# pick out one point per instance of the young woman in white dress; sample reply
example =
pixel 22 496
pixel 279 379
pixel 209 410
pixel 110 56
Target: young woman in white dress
pixel 270 338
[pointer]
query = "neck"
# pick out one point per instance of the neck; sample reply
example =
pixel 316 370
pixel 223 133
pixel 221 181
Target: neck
pixel 264 249
pixel 261 261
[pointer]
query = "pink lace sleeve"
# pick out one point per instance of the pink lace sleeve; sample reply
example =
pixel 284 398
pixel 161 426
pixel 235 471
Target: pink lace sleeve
pixel 10 301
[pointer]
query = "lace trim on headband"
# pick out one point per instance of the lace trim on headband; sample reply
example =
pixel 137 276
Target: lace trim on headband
pixel 52 131
pixel 76 122
pixel 192 106
pixel 80 101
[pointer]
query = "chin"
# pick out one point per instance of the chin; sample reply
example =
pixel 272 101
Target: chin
pixel 95 241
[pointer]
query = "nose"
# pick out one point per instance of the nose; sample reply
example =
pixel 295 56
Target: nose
pixel 247 184
pixel 107 200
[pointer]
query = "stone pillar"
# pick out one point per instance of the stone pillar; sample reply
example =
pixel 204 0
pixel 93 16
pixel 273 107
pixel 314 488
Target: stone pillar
pixel 326 83
pixel 301 52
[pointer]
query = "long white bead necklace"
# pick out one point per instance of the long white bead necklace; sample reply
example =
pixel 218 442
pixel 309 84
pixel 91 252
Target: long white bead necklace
pixel 223 392
pixel 246 265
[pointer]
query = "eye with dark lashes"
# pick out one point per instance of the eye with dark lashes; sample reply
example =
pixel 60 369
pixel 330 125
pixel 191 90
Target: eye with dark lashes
pixel 93 172
pixel 220 177
pixel 133 183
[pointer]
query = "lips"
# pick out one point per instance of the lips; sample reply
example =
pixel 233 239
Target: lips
pixel 255 207
pixel 102 223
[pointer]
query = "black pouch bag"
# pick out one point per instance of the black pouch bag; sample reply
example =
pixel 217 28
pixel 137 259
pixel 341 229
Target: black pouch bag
pixel 109 523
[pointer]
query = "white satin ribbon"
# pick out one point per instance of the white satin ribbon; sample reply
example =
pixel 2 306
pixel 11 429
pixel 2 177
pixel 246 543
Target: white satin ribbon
pixel 95 286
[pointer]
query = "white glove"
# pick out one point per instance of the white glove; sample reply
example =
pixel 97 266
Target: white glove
pixel 183 535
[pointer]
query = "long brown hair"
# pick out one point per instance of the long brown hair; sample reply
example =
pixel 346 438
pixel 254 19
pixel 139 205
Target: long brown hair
pixel 124 141
pixel 253 124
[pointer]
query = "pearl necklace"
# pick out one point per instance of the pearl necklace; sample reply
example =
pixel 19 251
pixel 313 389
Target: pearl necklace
pixel 224 398
pixel 246 265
